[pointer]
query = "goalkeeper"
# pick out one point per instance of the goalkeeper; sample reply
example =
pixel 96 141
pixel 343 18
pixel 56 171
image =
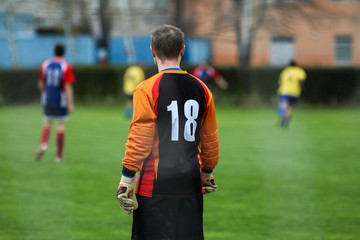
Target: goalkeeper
pixel 173 144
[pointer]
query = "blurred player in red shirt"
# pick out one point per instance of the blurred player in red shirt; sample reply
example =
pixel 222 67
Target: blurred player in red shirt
pixel 207 74
pixel 56 77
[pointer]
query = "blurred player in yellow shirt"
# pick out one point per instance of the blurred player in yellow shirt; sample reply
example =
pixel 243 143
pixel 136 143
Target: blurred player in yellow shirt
pixel 290 86
pixel 132 77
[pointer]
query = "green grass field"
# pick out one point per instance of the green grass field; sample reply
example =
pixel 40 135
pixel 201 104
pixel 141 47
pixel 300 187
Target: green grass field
pixel 274 184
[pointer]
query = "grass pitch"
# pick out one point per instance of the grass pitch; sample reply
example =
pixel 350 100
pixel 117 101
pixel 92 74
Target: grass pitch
pixel 299 183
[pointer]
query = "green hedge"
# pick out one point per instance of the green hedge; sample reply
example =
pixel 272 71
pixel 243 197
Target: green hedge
pixel 94 84
pixel 248 86
pixel 18 86
pixel 332 86
pixel 323 86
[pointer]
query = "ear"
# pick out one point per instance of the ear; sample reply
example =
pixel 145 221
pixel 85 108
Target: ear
pixel 152 51
pixel 153 55
pixel 182 51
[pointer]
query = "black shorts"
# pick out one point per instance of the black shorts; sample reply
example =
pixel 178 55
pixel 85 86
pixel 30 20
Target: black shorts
pixel 168 218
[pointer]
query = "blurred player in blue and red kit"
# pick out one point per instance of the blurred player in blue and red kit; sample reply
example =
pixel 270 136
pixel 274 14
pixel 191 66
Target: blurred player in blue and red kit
pixel 56 77
pixel 207 74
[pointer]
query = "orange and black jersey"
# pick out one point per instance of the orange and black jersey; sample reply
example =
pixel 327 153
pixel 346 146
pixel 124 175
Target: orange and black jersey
pixel 173 135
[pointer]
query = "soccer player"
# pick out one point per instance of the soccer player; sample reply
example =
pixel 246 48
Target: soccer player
pixel 173 143
pixel 132 77
pixel 290 86
pixel 207 74
pixel 56 77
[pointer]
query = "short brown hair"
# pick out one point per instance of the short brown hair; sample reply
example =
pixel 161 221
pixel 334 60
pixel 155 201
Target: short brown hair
pixel 167 41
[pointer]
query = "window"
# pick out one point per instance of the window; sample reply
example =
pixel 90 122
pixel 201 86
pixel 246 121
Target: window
pixel 345 1
pixel 282 50
pixel 286 1
pixel 296 1
pixel 343 50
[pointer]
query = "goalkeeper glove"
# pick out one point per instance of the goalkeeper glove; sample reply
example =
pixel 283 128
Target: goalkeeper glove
pixel 208 183
pixel 126 194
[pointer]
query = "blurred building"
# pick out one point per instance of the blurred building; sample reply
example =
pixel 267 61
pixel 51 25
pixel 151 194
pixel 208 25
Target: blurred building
pixel 315 32
pixel 223 32
pixel 94 31
pixel 29 29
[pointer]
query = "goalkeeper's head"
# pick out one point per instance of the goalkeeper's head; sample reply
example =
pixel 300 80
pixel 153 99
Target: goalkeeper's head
pixel 167 43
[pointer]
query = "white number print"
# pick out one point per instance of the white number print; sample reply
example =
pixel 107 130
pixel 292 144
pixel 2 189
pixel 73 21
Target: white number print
pixel 53 76
pixel 191 112
pixel 173 108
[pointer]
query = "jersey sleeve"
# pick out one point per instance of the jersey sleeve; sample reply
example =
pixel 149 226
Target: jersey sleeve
pixel 195 72
pixel 209 137
pixel 213 73
pixel 69 77
pixel 42 73
pixel 303 75
pixel 141 131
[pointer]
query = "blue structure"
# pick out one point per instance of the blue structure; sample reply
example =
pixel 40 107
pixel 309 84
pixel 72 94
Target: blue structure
pixel 119 52
pixel 196 50
pixel 84 51
pixel 32 49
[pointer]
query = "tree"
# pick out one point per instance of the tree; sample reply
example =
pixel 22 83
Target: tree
pixel 179 14
pixel 10 23
pixel 105 26
pixel 67 25
pixel 250 15
pixel 244 29
pixel 242 17
pixel 220 18
pixel 126 13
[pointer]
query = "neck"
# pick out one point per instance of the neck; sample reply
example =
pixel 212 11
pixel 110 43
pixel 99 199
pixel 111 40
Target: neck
pixel 173 63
